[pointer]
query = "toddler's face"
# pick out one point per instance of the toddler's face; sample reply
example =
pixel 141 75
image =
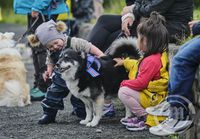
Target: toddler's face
pixel 55 45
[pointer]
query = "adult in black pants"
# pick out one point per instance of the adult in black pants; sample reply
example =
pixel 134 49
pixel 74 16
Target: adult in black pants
pixel 176 12
pixel 39 54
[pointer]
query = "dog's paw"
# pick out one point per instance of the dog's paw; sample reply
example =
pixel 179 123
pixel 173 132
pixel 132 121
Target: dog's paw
pixel 84 122
pixel 91 124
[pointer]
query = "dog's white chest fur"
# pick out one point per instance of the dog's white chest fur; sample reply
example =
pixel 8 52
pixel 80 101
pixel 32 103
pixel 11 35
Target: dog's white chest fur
pixel 74 89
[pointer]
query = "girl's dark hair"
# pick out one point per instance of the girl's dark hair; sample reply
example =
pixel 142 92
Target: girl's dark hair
pixel 153 28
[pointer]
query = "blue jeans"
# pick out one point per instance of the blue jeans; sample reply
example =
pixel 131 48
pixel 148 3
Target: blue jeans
pixel 55 94
pixel 184 66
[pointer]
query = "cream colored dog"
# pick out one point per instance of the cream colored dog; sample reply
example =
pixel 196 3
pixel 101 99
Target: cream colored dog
pixel 14 91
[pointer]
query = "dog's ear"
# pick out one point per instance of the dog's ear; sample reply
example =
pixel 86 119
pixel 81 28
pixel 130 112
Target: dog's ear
pixel 33 40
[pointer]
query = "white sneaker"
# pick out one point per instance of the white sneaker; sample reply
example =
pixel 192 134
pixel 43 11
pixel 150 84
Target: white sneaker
pixel 161 109
pixel 170 126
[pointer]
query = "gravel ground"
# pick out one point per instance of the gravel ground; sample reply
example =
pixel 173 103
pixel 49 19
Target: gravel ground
pixel 21 122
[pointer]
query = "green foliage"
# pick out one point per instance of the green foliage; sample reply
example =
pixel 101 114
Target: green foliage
pixel 113 6
pixel 6 3
pixel 174 137
pixel 9 16
pixel 196 3
pixel 197 13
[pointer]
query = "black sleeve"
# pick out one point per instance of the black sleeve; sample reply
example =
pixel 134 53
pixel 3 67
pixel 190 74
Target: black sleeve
pixel 129 2
pixel 146 7
pixel 82 8
pixel 196 29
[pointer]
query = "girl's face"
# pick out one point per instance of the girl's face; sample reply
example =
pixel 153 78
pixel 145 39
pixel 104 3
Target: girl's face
pixel 142 43
pixel 55 45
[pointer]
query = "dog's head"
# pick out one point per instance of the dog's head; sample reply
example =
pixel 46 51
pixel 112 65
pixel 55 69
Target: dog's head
pixel 124 47
pixel 6 40
pixel 70 62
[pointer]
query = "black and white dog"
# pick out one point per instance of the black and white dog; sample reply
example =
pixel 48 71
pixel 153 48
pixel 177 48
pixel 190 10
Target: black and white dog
pixel 91 79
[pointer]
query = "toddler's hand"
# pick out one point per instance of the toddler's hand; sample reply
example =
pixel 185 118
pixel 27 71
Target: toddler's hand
pixel 119 61
pixel 45 76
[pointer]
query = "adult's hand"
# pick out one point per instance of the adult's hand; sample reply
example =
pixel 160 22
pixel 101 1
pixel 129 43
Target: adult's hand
pixel 126 23
pixel 191 24
pixel 34 14
pixel 127 9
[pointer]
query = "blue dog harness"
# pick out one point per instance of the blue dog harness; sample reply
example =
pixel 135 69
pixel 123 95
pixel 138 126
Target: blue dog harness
pixel 90 60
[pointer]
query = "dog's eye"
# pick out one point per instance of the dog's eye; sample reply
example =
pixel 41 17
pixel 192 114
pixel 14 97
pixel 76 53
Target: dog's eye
pixel 65 56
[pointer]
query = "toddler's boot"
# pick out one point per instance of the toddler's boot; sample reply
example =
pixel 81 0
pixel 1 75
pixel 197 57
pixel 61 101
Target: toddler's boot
pixel 48 117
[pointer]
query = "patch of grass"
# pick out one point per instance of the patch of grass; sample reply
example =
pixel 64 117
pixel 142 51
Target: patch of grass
pixel 8 16
pixel 115 8
pixel 197 13
pixel 174 137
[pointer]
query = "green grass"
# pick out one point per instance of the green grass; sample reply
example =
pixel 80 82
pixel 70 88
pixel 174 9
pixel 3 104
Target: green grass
pixel 9 16
pixel 197 13
pixel 115 8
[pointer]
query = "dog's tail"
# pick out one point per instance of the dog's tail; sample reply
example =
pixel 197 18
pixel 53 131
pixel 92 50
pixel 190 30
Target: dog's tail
pixel 123 47
pixel 12 94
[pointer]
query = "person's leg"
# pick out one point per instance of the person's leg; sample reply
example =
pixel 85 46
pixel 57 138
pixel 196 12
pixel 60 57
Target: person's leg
pixel 177 31
pixel 78 107
pixel 131 99
pixel 39 58
pixel 105 26
pixel 54 99
pixel 108 107
pixel 35 92
pixel 182 74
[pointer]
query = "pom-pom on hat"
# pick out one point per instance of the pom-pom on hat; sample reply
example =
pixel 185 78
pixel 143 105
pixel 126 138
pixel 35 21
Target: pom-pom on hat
pixel 47 32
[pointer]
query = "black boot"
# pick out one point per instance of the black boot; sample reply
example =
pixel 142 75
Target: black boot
pixel 48 117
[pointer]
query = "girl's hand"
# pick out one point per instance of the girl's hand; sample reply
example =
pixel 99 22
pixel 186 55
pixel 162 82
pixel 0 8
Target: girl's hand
pixel 119 61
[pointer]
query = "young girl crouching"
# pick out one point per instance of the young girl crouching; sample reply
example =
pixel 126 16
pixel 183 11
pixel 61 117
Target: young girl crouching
pixel 148 76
